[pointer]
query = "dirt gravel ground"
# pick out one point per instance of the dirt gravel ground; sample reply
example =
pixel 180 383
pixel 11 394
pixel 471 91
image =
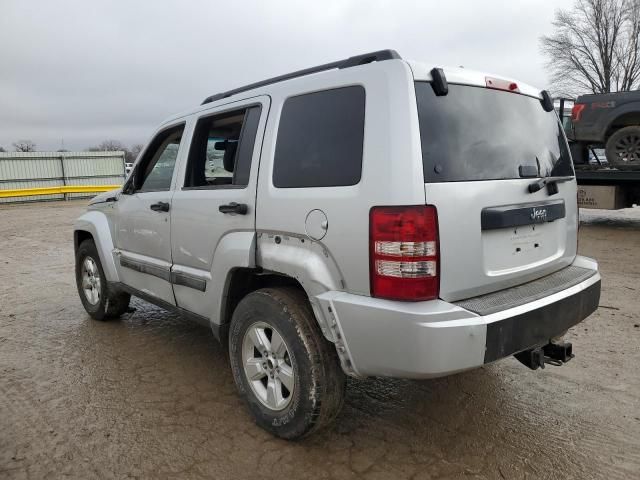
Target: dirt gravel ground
pixel 151 396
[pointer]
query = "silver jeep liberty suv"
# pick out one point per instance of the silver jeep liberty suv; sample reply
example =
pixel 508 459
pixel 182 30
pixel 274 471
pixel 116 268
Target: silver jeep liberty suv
pixel 368 217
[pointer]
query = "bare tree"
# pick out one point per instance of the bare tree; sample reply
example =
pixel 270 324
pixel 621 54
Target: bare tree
pixel 2 150
pixel 24 146
pixel 628 52
pixel 111 146
pixel 595 47
pixel 133 152
pixel 130 154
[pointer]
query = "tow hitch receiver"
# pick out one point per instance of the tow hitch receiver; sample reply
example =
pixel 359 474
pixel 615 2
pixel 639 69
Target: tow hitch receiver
pixel 561 352
pixel 553 353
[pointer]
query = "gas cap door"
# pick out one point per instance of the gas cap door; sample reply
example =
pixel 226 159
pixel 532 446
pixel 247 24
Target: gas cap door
pixel 316 224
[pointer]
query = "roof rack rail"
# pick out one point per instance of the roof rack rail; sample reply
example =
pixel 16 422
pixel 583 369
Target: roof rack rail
pixel 363 59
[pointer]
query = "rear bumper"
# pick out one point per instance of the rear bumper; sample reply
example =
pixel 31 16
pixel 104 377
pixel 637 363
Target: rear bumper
pixel 537 327
pixel 437 338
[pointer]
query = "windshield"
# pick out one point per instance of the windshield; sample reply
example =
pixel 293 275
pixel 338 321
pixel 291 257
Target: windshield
pixel 476 133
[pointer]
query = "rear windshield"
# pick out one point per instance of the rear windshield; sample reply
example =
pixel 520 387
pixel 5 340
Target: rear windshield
pixel 475 133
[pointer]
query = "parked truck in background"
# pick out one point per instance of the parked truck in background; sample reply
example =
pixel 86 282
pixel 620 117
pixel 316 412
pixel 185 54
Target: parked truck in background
pixel 604 135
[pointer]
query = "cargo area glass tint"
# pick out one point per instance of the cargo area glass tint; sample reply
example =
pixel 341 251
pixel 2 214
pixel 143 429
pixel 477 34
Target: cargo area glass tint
pixel 320 139
pixel 476 133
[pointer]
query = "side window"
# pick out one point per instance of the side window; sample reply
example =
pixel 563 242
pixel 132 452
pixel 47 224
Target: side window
pixel 156 167
pixel 320 139
pixel 222 148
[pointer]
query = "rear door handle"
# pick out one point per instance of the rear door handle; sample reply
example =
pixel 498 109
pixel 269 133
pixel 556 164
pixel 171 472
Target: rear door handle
pixel 160 207
pixel 233 207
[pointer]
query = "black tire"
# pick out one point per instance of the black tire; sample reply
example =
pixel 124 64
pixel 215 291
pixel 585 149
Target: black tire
pixel 319 383
pixel 111 304
pixel 623 149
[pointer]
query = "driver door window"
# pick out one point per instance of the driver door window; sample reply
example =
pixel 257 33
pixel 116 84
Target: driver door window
pixel 156 168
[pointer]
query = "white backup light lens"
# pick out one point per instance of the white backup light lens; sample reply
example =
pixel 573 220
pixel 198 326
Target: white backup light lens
pixel 406 249
pixel 419 269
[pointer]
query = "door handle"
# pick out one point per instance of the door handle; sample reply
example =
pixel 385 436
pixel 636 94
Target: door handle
pixel 233 207
pixel 160 207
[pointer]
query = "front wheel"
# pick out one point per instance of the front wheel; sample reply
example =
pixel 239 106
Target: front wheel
pixel 623 149
pixel 97 298
pixel 287 372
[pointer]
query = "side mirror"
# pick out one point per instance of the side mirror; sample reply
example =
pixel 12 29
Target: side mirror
pixel 129 186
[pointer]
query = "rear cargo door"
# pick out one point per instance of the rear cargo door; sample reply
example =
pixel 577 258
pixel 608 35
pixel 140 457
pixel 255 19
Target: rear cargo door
pixel 481 149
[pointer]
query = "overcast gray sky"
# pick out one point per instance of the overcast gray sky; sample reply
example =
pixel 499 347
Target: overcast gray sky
pixel 92 70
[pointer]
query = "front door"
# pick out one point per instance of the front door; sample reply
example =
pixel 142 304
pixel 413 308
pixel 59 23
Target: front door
pixel 143 225
pixel 213 207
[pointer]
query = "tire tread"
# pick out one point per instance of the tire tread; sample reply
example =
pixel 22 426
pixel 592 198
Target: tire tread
pixel 330 380
pixel 116 302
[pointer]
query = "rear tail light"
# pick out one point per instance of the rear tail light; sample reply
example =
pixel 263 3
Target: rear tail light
pixel 502 84
pixel 404 254
pixel 576 111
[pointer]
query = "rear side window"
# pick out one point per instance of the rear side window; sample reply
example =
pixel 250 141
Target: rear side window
pixel 476 133
pixel 221 149
pixel 320 139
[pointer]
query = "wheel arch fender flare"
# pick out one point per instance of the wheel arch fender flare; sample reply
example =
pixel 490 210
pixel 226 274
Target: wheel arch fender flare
pixel 287 260
pixel 234 250
pixel 309 263
pixel 97 225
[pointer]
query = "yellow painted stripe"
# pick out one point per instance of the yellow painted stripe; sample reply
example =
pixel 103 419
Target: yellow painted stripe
pixel 28 192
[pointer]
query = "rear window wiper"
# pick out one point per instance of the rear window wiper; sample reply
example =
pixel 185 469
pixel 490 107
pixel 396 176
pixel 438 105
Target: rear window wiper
pixel 539 184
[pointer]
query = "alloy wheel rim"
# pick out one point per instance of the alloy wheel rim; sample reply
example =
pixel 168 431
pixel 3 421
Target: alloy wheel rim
pixel 268 366
pixel 627 149
pixel 91 282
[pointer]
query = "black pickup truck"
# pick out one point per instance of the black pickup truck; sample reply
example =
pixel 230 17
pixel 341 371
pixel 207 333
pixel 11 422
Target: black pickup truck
pixel 609 120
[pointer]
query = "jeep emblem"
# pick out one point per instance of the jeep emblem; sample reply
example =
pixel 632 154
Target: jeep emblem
pixel 539 214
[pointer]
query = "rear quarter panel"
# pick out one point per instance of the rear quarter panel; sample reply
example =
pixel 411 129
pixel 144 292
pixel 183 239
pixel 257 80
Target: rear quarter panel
pixel 391 169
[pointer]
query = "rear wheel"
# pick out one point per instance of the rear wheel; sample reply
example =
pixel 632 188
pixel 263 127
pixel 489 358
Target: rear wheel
pixel 287 372
pixel 100 302
pixel 623 148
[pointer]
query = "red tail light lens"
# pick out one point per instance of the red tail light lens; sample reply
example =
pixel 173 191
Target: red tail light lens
pixel 576 111
pixel 404 254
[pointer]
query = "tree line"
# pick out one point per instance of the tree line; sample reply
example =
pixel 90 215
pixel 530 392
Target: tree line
pixel 130 153
pixel 594 47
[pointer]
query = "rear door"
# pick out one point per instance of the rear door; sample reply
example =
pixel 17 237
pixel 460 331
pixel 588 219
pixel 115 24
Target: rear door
pixel 215 197
pixel 481 149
